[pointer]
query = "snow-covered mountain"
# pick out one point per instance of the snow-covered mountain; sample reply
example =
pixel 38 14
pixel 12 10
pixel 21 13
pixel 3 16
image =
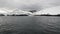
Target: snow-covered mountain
pixel 6 11
pixel 2 11
pixel 19 12
pixel 51 11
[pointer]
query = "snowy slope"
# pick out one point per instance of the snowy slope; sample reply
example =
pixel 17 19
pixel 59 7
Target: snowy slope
pixel 13 11
pixel 52 11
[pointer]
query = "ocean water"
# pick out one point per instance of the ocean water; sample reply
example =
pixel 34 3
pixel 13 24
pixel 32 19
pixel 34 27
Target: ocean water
pixel 29 25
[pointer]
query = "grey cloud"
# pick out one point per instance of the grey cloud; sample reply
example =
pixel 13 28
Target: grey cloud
pixel 29 4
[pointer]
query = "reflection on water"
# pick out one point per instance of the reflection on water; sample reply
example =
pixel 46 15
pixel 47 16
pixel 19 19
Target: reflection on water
pixel 29 25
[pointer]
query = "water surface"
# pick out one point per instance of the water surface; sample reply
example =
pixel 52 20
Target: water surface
pixel 29 25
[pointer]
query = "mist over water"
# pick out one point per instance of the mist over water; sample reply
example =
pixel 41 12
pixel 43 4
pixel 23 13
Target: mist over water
pixel 29 25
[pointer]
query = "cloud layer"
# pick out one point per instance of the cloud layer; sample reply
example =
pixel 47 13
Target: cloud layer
pixel 29 4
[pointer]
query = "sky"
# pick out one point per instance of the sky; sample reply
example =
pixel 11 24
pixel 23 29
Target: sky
pixel 29 4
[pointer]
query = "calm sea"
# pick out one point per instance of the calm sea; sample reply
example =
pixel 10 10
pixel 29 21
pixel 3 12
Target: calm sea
pixel 29 25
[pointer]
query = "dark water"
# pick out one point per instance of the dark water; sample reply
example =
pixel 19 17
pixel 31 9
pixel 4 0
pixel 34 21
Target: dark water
pixel 29 25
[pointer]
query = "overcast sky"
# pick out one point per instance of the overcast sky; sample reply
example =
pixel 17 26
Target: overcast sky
pixel 29 4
